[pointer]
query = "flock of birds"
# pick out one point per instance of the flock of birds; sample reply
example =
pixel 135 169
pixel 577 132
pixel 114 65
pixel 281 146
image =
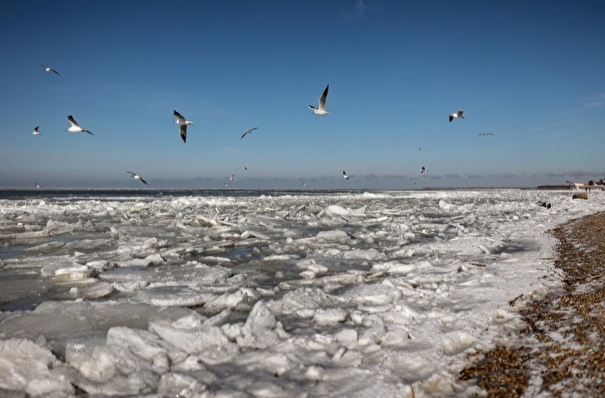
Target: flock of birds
pixel 183 123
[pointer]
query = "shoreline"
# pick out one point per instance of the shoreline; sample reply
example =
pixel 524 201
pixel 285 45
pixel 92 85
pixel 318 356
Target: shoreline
pixel 561 350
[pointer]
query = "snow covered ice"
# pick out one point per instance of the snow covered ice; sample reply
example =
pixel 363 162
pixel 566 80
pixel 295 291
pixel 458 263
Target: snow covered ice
pixel 378 294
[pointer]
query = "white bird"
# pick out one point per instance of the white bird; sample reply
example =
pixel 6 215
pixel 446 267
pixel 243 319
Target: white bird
pixel 37 185
pixel 36 130
pixel 422 170
pixel 75 128
pixel 232 178
pixel 457 115
pixel 183 123
pixel 321 111
pixel 413 181
pixel 344 175
pixel 49 69
pixel 249 132
pixel 137 177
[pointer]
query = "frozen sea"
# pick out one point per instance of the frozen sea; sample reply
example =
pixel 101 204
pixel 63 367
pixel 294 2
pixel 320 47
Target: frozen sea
pixel 266 294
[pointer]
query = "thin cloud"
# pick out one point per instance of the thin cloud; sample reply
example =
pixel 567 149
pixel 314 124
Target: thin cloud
pixel 356 12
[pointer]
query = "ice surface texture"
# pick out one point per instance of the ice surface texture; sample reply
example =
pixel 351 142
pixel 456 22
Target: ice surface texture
pixel 346 295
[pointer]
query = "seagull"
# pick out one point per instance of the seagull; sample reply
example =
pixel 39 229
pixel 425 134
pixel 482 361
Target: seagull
pixel 232 178
pixel 413 181
pixel 246 168
pixel 457 115
pixel 321 111
pixel 422 170
pixel 49 69
pixel 249 132
pixel 183 123
pixel 485 134
pixel 37 185
pixel 137 177
pixel 74 128
pixel 36 130
pixel 344 175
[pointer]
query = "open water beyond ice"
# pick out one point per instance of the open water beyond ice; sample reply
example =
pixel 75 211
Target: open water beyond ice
pixel 375 294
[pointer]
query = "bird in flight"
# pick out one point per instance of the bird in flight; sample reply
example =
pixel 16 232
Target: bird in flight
pixel 37 185
pixel 137 177
pixel 75 128
pixel 321 111
pixel 457 115
pixel 344 175
pixel 232 178
pixel 183 123
pixel 49 69
pixel 422 170
pixel 485 134
pixel 36 130
pixel 249 131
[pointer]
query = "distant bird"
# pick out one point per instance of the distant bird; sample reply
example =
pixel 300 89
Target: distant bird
pixel 232 178
pixel 304 184
pixel 457 115
pixel 344 175
pixel 137 177
pixel 485 134
pixel 75 128
pixel 37 185
pixel 422 170
pixel 183 123
pixel 36 130
pixel 49 69
pixel 413 181
pixel 321 111
pixel 420 149
pixel 245 168
pixel 249 131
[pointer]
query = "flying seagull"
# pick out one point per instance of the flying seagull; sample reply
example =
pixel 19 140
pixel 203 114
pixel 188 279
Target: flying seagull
pixel 49 69
pixel 457 115
pixel 422 170
pixel 36 130
pixel 137 177
pixel 232 178
pixel 249 131
pixel 183 123
pixel 344 175
pixel 321 111
pixel 485 134
pixel 74 128
pixel 37 185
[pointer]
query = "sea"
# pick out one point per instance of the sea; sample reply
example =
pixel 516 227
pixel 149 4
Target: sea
pixel 267 293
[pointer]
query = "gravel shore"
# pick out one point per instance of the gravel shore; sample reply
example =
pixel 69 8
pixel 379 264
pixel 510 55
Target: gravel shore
pixel 561 351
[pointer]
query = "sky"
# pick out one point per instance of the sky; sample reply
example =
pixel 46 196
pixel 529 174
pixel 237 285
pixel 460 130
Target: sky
pixel 529 72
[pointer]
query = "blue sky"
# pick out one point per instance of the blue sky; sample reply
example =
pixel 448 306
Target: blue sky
pixel 530 72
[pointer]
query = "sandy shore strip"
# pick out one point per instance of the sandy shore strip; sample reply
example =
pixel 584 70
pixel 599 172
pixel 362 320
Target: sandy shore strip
pixel 561 351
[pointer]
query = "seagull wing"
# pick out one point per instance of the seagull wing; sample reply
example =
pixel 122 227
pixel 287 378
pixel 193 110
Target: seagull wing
pixel 451 118
pixel 72 120
pixel 323 98
pixel 131 174
pixel 312 107
pixel 460 113
pixel 86 131
pixel 183 130
pixel 143 181
pixel 243 135
pixel 179 116
pixel 52 70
